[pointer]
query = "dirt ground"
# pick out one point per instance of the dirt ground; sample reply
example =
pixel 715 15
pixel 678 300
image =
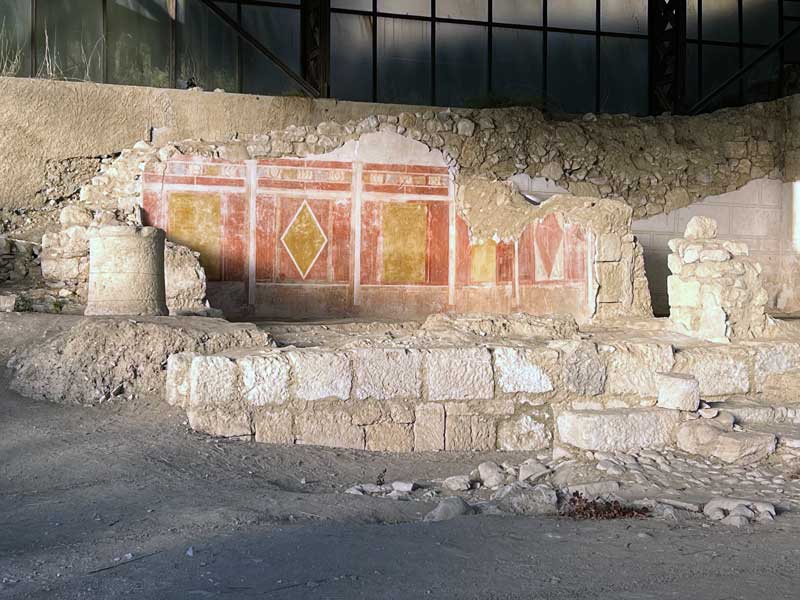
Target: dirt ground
pixel 123 500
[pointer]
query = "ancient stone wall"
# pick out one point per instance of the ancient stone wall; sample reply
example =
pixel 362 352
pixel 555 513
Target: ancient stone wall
pixel 655 164
pixel 378 228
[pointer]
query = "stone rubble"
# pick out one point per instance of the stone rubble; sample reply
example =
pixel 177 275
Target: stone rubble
pixel 672 485
pixel 715 291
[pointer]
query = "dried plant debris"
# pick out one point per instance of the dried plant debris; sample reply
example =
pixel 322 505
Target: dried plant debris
pixel 580 507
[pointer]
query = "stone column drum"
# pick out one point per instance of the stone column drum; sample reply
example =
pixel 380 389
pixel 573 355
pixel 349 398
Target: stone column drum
pixel 126 271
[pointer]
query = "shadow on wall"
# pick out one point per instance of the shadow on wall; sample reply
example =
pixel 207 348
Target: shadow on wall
pixel 762 214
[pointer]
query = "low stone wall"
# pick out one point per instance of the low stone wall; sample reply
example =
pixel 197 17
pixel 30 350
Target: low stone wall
pixel 19 260
pixel 572 394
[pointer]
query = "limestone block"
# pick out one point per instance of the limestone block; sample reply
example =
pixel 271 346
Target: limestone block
pixel 126 271
pixel 328 428
pixel 524 433
pixel 735 248
pixel 719 371
pixel 74 215
pixel 582 370
pixel 8 302
pixel 782 387
pixel 65 269
pixel 179 367
pixel 701 228
pixel 618 430
pixel 72 242
pixel 273 427
pixel 632 368
pixel 460 374
pixel 710 323
pixel 474 433
pixel 265 378
pixel 609 247
pixel 714 255
pixel 683 292
pixel 429 428
pixel 674 264
pixel 220 422
pixel 615 282
pixel 319 375
pixel 521 370
pixel 678 391
pixel 215 381
pixel 700 435
pixel 773 357
pixel 390 437
pixel 744 447
pixel 385 374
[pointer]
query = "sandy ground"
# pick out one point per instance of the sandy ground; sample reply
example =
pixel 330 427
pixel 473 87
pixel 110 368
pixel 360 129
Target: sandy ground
pixel 107 502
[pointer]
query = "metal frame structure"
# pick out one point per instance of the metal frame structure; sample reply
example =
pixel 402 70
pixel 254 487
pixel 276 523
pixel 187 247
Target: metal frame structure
pixel 490 24
pixel 667 75
pixel 315 56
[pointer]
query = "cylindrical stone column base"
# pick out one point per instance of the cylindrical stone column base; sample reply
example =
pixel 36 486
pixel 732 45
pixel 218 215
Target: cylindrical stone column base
pixel 126 271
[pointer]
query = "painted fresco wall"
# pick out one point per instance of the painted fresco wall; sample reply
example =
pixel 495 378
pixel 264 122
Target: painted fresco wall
pixel 358 233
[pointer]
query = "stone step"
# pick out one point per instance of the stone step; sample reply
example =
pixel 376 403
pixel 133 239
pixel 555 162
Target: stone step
pixel 748 412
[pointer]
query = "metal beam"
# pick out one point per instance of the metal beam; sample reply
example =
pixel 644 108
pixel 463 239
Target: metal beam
pixel 309 89
pixel 780 43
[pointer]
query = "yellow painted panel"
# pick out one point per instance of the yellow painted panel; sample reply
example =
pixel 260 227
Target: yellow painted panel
pixel 484 262
pixel 304 240
pixel 405 237
pixel 194 221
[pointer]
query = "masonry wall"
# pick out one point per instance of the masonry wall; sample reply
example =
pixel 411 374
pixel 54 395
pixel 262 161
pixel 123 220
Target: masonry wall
pixel 51 129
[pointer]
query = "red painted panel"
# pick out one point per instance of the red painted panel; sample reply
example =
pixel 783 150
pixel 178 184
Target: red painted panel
pixel 265 238
pixel 463 256
pixel 505 262
pixel 235 237
pixel 370 242
pixel 340 241
pixel 220 181
pixel 576 253
pixel 420 190
pixel 526 263
pixel 405 168
pixel 438 243
pixel 151 206
pixel 549 244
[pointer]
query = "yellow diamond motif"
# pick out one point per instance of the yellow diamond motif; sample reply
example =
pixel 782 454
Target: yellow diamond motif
pixel 304 239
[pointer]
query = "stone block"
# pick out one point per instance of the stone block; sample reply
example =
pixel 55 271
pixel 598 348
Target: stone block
pixel 582 369
pixel 701 228
pixel 700 435
pixel 771 358
pixel 744 447
pixel 609 247
pixel 460 374
pixel 674 264
pixel 178 387
pixel 273 427
pixel 719 371
pixel 320 375
pixel 390 437
pixel 522 370
pixel 632 368
pixel 328 428
pixel 386 374
pixel 472 433
pixel 214 381
pixel 265 378
pixel 220 422
pixel 524 433
pixel 618 430
pixel 615 282
pixel 429 428
pixel 678 391
pixel 8 302
pixel 683 292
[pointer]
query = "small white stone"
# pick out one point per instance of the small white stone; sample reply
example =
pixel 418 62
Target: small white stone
pixel 404 486
pixel 458 483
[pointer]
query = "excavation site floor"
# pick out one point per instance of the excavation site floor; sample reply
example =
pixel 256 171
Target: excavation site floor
pixel 125 500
